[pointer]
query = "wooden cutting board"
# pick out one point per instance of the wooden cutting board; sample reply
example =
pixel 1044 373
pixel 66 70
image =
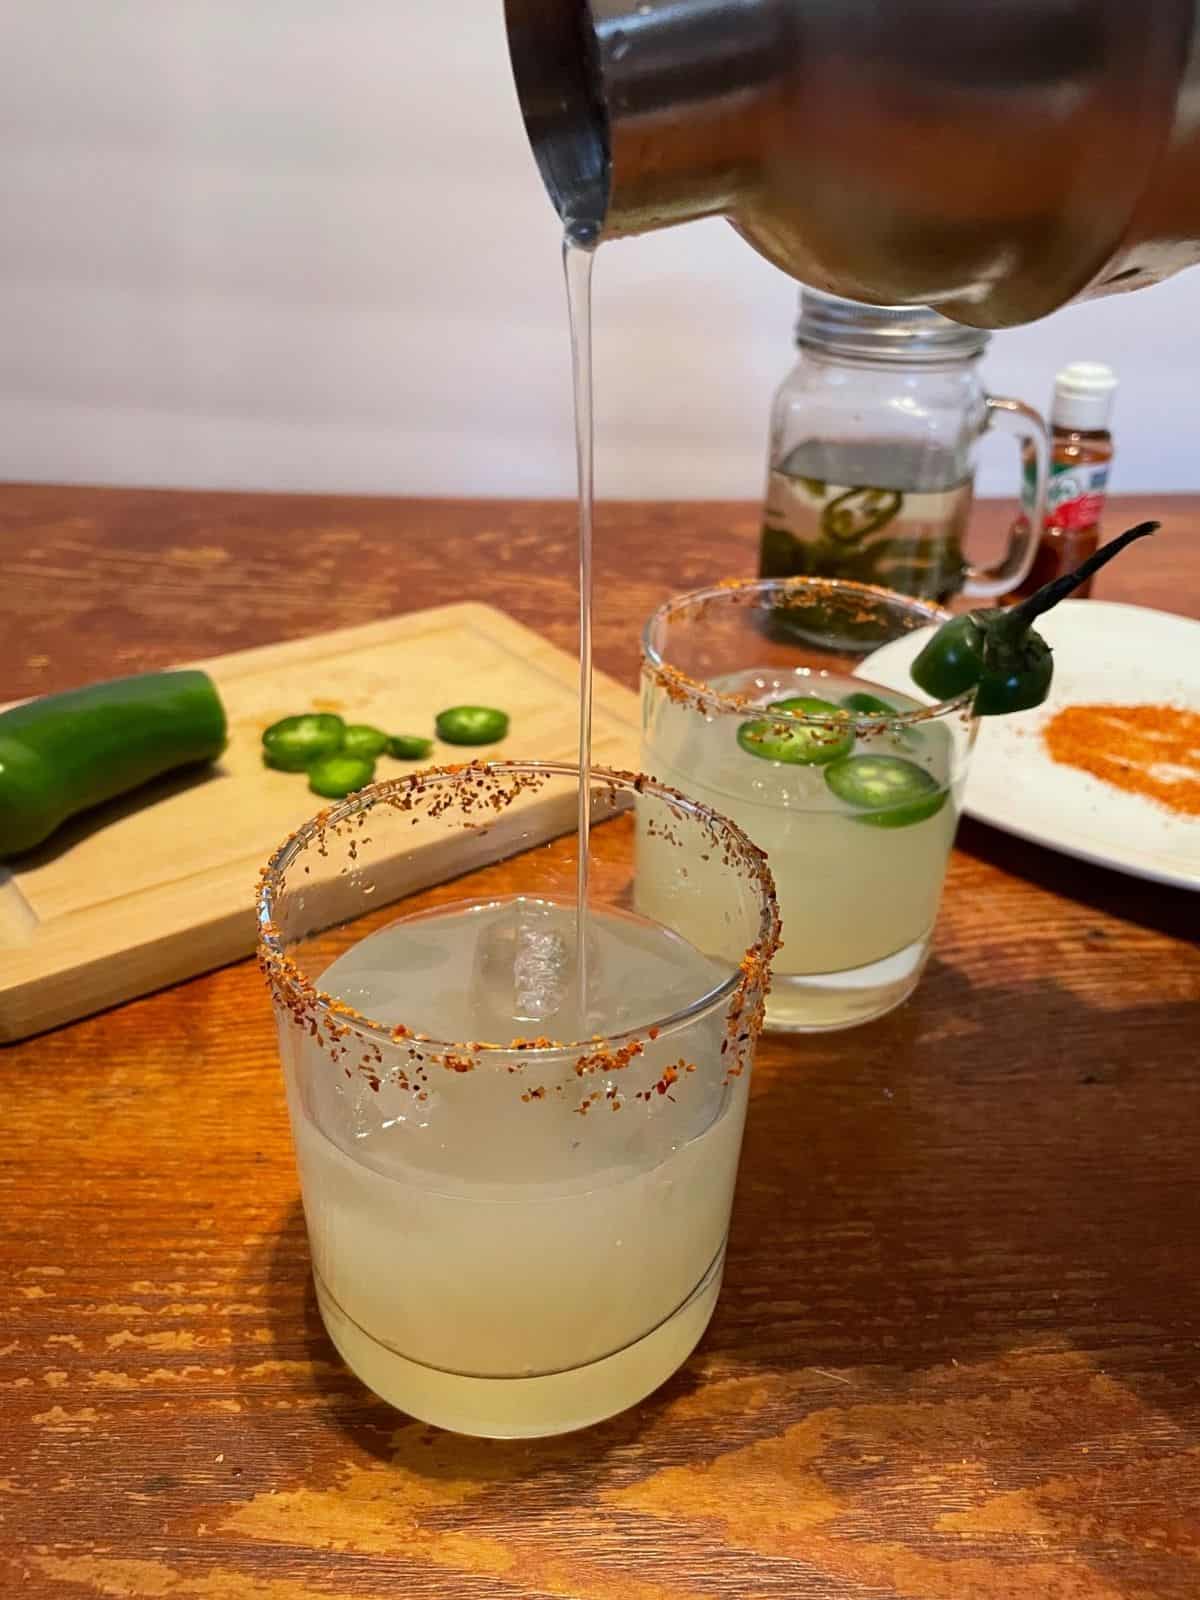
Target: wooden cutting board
pixel 156 888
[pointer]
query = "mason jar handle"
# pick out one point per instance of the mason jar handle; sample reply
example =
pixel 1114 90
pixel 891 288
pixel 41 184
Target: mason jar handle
pixel 1030 431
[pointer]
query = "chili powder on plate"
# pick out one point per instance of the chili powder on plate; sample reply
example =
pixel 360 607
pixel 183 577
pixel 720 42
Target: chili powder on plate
pixel 1151 750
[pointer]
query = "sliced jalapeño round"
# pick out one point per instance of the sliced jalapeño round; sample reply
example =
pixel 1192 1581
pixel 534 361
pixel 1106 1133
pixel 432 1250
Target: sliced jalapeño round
pixel 471 725
pixel 891 792
pixel 361 739
pixel 857 512
pixel 868 705
pixel 334 777
pixel 409 747
pixel 872 707
pixel 799 743
pixel 294 743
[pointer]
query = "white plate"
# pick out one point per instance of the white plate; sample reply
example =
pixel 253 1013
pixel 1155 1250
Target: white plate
pixel 1122 655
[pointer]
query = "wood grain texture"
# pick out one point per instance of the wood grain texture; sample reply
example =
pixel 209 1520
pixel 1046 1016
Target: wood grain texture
pixel 957 1353
pixel 133 896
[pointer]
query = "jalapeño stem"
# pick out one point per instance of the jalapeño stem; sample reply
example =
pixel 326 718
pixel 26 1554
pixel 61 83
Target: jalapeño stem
pixel 1021 618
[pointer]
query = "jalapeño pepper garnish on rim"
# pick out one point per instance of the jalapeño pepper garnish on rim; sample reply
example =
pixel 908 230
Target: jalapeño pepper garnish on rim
pixel 998 652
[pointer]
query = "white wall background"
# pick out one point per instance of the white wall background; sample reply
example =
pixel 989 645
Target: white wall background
pixel 302 244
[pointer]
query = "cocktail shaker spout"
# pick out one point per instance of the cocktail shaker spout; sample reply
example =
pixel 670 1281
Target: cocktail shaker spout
pixel 992 160
pixel 643 114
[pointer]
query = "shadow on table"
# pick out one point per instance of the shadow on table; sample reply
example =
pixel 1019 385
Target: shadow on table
pixel 1170 911
pixel 946 1185
pixel 98 818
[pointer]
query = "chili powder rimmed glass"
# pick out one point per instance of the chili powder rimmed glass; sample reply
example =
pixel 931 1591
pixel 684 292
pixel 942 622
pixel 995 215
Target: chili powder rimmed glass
pixel 517 1207
pixel 755 703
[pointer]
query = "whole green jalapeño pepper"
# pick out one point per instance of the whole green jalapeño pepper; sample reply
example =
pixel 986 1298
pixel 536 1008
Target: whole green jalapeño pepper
pixel 68 752
pixel 998 652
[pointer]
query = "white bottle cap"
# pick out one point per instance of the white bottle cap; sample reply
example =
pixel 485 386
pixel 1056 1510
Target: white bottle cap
pixel 1083 396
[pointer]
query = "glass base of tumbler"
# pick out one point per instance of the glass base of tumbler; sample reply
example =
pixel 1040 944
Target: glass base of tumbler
pixel 822 1002
pixel 525 1408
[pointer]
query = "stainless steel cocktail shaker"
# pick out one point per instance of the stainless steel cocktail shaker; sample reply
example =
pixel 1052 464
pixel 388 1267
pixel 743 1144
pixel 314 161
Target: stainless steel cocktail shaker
pixel 993 158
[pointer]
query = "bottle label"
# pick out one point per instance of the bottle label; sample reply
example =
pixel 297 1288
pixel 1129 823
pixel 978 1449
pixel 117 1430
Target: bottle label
pixel 1074 494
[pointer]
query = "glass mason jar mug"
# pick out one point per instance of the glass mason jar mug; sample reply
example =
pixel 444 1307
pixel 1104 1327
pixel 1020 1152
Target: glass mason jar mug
pixel 872 454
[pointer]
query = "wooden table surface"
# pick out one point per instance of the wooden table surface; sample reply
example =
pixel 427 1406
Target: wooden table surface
pixel 957 1353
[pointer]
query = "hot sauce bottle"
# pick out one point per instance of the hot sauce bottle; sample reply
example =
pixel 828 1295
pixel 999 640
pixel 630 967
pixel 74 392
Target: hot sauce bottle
pixel 1081 452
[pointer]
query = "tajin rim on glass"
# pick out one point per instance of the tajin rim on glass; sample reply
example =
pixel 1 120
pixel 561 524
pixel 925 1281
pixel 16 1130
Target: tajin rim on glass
pixel 782 594
pixel 313 1008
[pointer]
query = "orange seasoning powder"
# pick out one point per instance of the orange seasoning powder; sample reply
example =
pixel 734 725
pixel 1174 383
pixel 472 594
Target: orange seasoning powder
pixel 1147 750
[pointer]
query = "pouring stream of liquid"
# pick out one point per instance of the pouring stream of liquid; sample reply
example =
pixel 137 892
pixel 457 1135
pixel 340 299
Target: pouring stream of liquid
pixel 577 268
